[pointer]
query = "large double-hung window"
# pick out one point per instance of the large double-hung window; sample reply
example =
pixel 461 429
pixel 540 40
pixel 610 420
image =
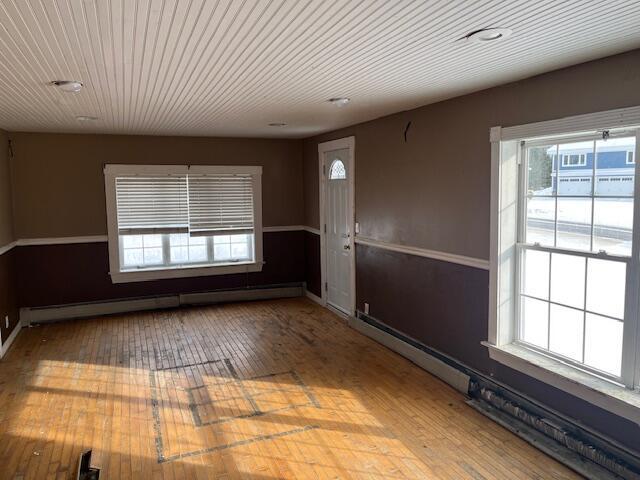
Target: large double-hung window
pixel 565 258
pixel 178 221
pixel 574 251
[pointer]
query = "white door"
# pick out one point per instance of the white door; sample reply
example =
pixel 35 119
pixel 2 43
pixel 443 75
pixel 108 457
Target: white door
pixel 338 233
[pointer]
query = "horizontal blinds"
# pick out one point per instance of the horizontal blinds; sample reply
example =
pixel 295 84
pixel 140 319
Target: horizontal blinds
pixel 152 204
pixel 220 204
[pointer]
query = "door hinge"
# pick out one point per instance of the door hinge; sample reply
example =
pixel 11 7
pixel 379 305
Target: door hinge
pixel 324 170
pixel 325 228
pixel 326 286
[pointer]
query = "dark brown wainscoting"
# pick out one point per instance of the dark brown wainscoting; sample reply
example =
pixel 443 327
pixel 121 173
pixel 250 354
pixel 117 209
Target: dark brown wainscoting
pixel 8 293
pixel 76 273
pixel 312 263
pixel 445 307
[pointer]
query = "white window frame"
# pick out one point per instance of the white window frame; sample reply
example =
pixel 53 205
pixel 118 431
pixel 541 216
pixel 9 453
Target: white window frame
pixel 112 171
pixel 621 398
pixel 582 160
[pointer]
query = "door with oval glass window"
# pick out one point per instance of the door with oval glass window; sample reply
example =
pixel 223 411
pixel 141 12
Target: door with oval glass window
pixel 338 237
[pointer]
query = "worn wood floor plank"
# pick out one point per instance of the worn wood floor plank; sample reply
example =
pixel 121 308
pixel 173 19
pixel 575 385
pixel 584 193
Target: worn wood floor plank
pixel 263 390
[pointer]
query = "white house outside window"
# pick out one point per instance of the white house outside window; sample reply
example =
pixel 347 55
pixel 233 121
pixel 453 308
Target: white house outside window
pixel 178 221
pixel 565 259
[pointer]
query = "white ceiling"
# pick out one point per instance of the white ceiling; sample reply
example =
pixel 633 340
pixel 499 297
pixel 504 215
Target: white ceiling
pixel 230 67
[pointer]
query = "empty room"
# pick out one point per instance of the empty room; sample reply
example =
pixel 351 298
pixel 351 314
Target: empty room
pixel 319 239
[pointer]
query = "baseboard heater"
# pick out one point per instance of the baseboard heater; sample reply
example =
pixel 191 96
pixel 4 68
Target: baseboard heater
pixel 586 452
pixel 56 313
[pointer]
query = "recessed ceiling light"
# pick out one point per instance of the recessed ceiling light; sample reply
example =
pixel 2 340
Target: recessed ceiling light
pixel 339 101
pixel 488 35
pixel 277 124
pixel 69 86
pixel 86 118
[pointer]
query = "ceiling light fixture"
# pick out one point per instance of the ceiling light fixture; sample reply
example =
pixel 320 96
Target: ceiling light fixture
pixel 339 101
pixel 69 86
pixel 86 118
pixel 488 35
pixel 277 124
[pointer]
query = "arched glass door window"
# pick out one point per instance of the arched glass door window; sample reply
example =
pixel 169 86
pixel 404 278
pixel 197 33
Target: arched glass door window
pixel 337 170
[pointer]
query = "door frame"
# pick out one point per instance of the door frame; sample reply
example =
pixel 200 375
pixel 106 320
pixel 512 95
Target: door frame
pixel 341 143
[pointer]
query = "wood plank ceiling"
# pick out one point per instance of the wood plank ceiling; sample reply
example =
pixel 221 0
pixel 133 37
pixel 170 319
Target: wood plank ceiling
pixel 231 67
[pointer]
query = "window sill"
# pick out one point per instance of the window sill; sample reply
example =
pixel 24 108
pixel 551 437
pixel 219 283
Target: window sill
pixel 590 388
pixel 184 272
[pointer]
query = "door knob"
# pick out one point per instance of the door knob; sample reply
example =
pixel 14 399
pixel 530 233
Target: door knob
pixel 347 247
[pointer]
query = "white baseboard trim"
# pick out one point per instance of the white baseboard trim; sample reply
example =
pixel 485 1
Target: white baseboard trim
pixel 313 297
pixel 69 312
pixel 12 336
pixel 436 367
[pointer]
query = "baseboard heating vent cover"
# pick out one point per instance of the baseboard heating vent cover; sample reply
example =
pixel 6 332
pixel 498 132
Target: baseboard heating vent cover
pixel 580 454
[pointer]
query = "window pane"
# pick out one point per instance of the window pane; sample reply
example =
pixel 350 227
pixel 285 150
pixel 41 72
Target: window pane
pixel 198 253
pixel 536 274
pixel 179 254
pixel 188 249
pixel 613 172
pixel 131 241
pixel 574 223
pixel 567 279
pixel 238 238
pixel 605 287
pixel 152 241
pixel 132 257
pixel 579 196
pixel 565 332
pixel 239 250
pixel 179 239
pixel 575 168
pixel 540 174
pixel 535 322
pixel 222 252
pixel 603 344
pixel 613 225
pixel 221 239
pixel 152 256
pixel 541 215
pixel 199 240
pixel 337 171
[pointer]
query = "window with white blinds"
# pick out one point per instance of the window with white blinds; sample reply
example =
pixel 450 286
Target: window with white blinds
pixel 169 221
pixel 220 203
pixel 152 204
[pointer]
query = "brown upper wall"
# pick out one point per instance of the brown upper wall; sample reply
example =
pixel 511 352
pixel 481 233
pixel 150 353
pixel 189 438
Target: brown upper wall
pixel 58 182
pixel 433 192
pixel 6 210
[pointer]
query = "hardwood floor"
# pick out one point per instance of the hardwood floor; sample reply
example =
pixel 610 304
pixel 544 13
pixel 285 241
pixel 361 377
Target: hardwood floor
pixel 264 390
